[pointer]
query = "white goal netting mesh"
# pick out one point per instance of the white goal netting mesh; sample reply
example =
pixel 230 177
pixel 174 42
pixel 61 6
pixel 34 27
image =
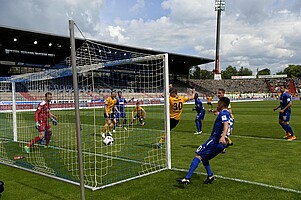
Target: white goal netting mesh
pixel 100 70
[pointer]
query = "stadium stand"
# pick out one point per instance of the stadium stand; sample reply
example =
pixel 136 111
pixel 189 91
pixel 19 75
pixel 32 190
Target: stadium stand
pixel 274 83
pixel 230 85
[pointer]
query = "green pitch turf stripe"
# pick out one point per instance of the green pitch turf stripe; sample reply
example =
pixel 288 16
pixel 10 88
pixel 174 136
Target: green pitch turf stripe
pixel 256 138
pixel 245 181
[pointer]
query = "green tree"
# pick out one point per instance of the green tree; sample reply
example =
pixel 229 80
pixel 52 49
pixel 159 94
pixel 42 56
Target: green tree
pixel 197 73
pixel 292 71
pixel 228 72
pixel 205 74
pixel 244 71
pixel 265 71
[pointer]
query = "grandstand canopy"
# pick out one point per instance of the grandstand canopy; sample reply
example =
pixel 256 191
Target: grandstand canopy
pixel 23 48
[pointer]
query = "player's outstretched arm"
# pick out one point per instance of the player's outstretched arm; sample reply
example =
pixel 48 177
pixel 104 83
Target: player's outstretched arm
pixel 52 116
pixel 215 112
pixel 132 99
pixel 286 107
pixel 53 119
pixel 191 94
pixel 276 108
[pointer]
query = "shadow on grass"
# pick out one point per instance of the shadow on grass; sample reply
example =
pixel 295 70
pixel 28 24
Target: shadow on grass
pixel 41 190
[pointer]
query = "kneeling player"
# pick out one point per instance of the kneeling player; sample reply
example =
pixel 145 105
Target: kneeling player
pixel 138 113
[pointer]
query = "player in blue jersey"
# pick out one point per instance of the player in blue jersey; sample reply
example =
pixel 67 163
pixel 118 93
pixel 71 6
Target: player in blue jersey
pixel 285 113
pixel 121 106
pixel 200 110
pixel 221 93
pixel 214 145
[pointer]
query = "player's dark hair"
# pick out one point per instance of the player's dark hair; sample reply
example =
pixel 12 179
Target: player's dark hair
pixel 222 90
pixel 173 91
pixel 47 94
pixel 119 92
pixel 196 95
pixel 225 101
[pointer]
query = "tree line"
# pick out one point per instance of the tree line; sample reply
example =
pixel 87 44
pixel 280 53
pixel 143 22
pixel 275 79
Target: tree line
pixel 292 71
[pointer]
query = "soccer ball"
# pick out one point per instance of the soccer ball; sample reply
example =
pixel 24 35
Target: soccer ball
pixel 108 140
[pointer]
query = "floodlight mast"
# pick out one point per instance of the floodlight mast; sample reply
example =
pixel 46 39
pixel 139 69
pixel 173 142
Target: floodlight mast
pixel 219 7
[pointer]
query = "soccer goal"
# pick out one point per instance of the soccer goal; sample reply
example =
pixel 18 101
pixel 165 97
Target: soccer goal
pixel 100 70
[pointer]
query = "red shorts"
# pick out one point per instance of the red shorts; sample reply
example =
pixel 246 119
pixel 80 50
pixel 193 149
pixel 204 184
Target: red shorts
pixel 44 126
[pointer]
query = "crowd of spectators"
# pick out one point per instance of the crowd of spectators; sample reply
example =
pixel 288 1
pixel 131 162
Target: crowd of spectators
pixel 233 85
pixel 244 88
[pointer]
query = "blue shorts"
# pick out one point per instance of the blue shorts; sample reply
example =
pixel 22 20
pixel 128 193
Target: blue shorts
pixel 209 149
pixel 200 115
pixel 286 116
pixel 121 114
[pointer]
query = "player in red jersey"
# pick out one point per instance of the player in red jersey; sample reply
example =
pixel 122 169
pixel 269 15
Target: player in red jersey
pixel 42 115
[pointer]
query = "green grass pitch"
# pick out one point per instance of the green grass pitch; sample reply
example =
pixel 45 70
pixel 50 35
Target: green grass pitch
pixel 260 164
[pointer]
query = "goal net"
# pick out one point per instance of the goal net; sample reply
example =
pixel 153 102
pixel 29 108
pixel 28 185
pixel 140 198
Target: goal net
pixel 101 70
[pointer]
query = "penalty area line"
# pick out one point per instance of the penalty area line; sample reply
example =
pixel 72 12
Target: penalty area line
pixel 245 181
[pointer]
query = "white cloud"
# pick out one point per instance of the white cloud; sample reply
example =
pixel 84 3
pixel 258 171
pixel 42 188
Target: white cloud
pixel 117 33
pixel 192 11
pixel 139 4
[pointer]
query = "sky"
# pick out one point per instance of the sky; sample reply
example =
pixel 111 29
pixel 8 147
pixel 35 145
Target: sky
pixel 255 34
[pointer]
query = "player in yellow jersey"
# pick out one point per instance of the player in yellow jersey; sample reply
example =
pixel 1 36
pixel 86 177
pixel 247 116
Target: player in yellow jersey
pixel 209 101
pixel 175 108
pixel 138 113
pixel 109 114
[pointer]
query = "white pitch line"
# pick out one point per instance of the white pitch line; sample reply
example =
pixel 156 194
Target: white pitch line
pixel 263 138
pixel 248 182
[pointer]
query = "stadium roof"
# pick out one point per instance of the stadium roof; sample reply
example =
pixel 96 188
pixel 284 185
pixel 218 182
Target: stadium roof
pixel 43 50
